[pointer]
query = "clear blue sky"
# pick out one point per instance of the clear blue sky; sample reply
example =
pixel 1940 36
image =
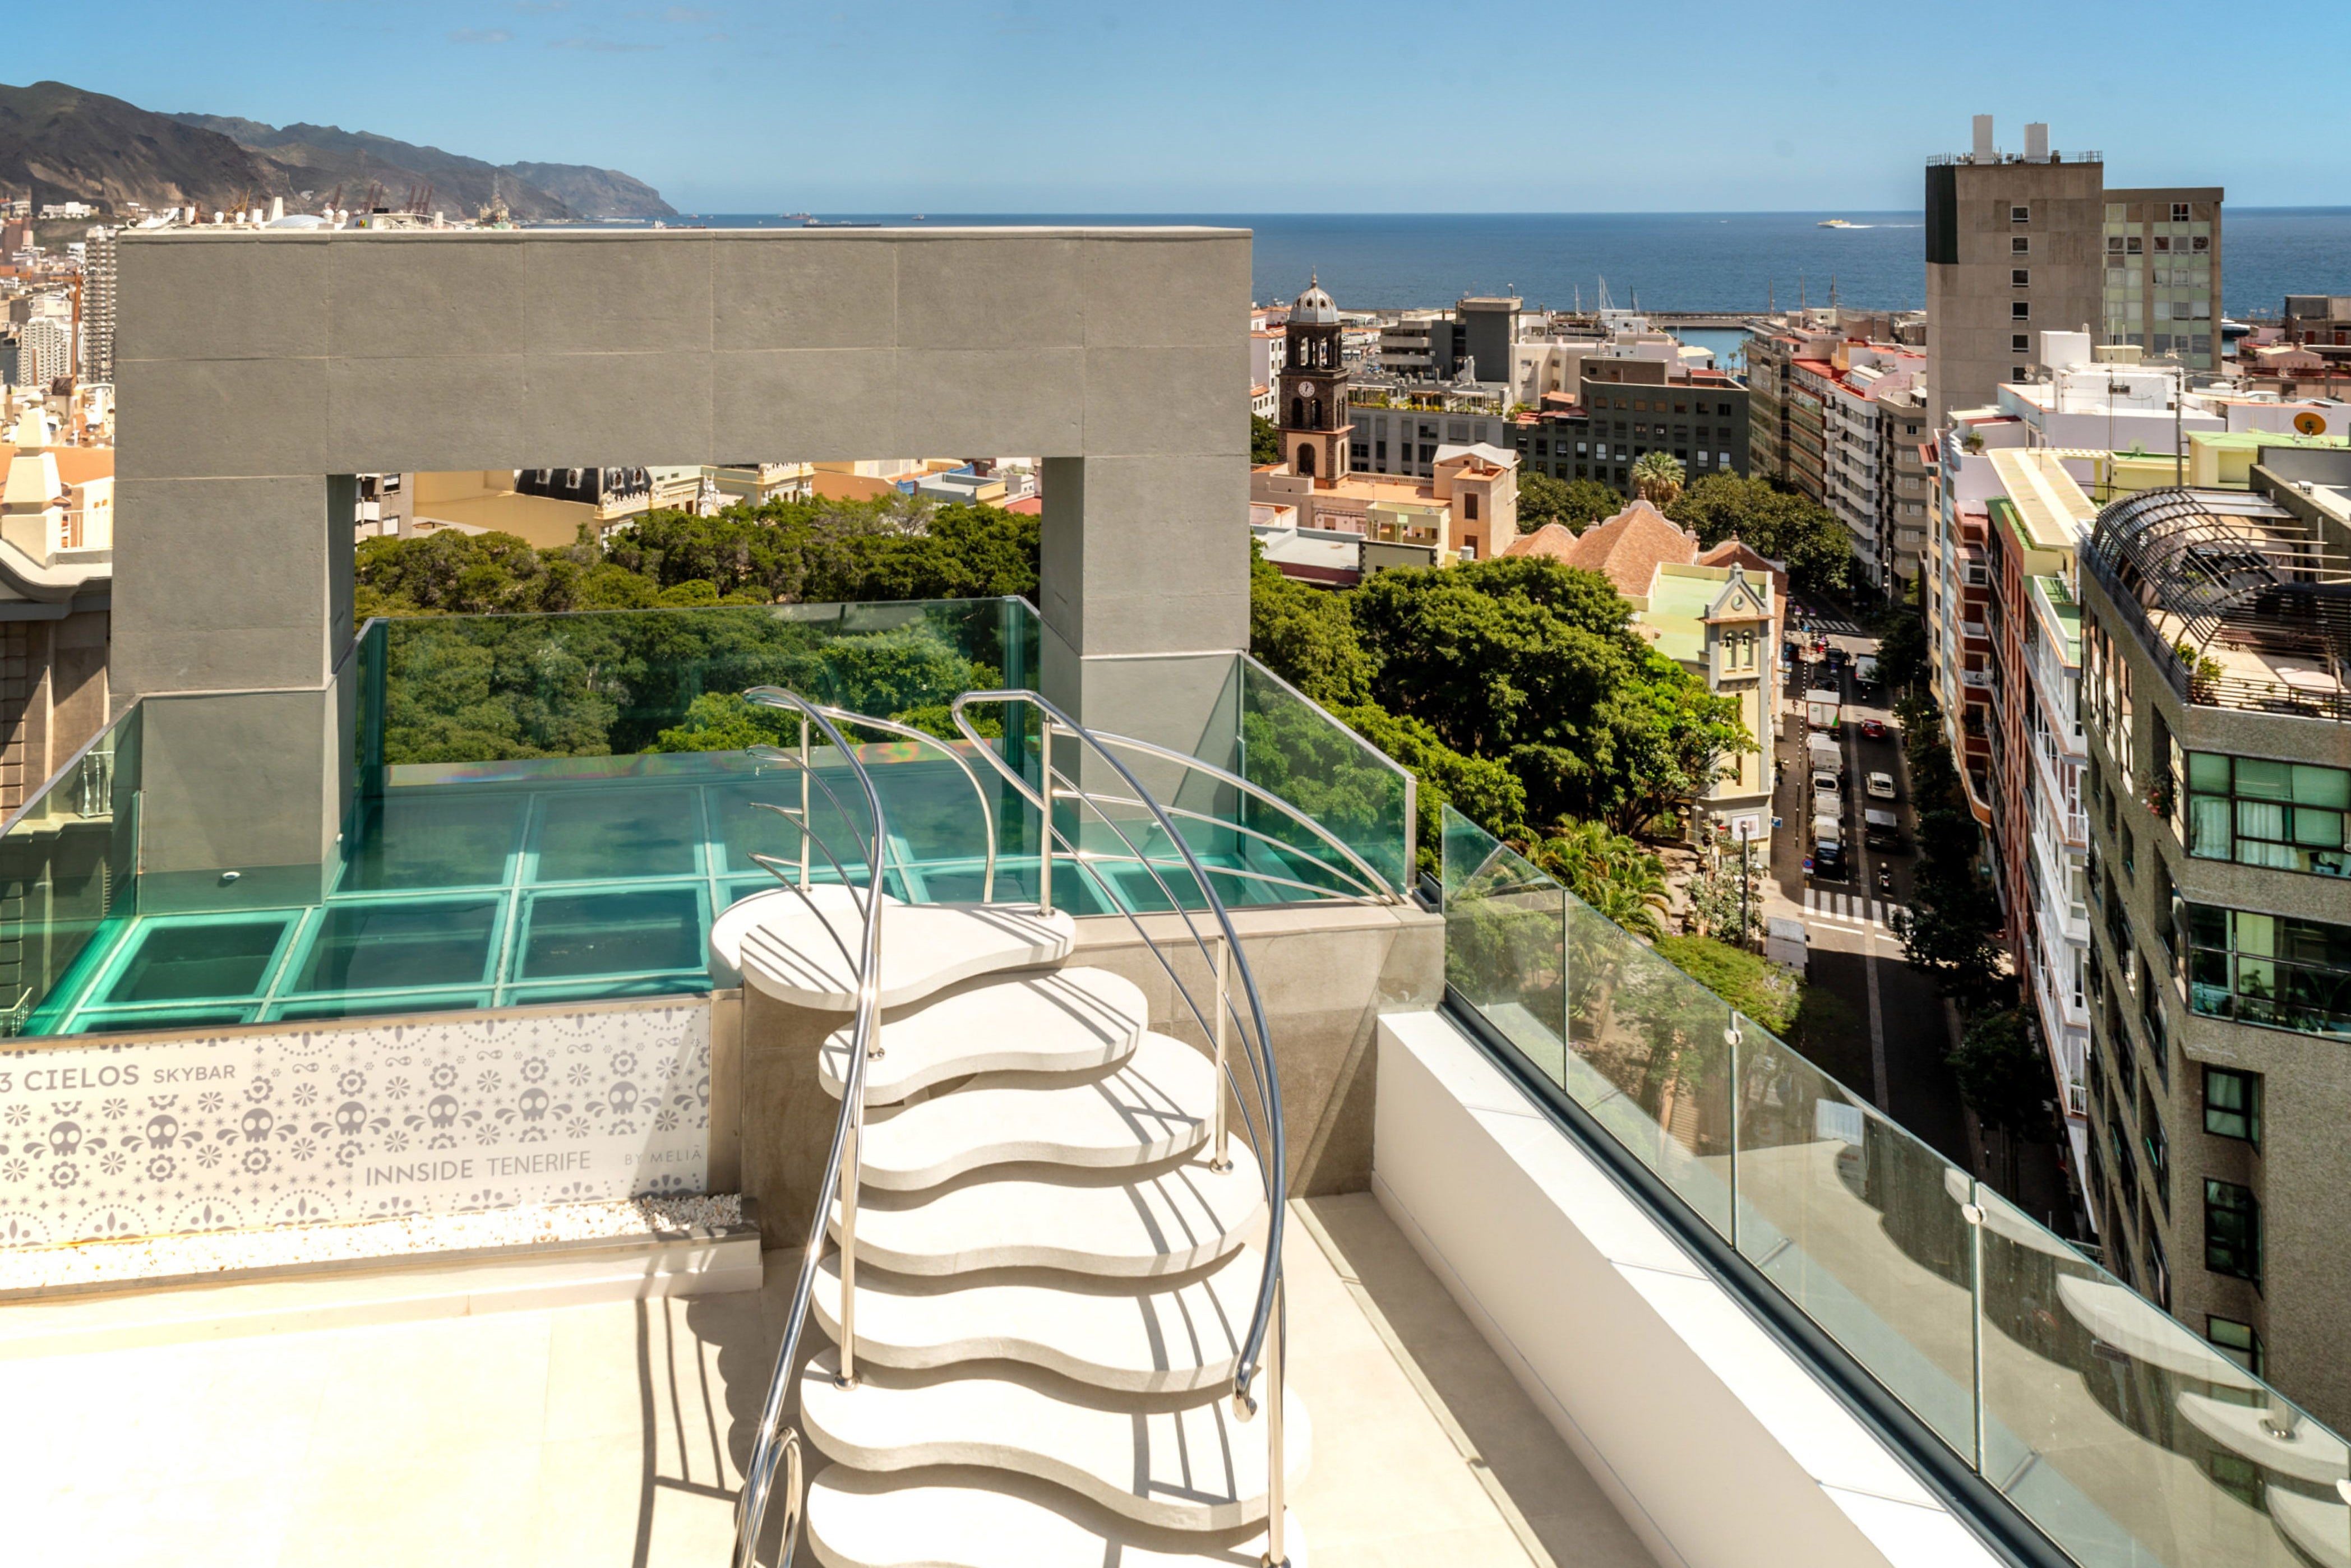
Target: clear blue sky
pixel 1215 106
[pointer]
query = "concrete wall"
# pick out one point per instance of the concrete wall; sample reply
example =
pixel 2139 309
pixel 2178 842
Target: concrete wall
pixel 254 367
pixel 1326 972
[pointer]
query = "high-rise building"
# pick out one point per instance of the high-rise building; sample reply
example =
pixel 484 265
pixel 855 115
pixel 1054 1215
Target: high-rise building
pixel 97 286
pixel 2162 286
pixel 2015 243
pixel 2215 640
pixel 44 350
pixel 2019 244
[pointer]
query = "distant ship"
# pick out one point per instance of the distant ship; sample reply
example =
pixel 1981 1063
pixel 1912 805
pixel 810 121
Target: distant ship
pixel 1839 224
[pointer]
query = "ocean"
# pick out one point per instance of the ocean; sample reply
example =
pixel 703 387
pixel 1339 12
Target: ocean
pixel 1665 261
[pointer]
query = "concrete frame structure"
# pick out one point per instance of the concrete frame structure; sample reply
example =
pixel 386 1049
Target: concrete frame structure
pixel 264 369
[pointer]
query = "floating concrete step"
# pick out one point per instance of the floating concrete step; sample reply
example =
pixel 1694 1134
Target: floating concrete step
pixel 1151 1107
pixel 960 1519
pixel 808 957
pixel 744 915
pixel 1168 1222
pixel 1185 1334
pixel 1175 1461
pixel 1061 1020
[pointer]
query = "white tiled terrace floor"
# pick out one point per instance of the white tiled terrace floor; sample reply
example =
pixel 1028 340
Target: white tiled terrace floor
pixel 611 1434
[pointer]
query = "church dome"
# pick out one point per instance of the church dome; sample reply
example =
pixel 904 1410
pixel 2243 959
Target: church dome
pixel 1314 308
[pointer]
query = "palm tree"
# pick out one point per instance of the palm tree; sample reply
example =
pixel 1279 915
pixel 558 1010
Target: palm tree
pixel 1611 873
pixel 1657 475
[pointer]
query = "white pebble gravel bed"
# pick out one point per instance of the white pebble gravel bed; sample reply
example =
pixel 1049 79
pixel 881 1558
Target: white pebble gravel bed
pixel 166 1256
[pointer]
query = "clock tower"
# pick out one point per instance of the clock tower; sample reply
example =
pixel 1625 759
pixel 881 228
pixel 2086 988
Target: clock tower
pixel 1312 415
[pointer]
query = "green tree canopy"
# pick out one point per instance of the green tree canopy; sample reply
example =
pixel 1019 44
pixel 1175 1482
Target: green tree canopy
pixel 1609 872
pixel 1575 502
pixel 2004 1074
pixel 1307 636
pixel 1780 525
pixel 1762 990
pixel 1902 651
pixel 1265 441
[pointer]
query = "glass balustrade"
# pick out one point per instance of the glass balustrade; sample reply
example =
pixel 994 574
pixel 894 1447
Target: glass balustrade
pixel 2127 1439
pixel 552 808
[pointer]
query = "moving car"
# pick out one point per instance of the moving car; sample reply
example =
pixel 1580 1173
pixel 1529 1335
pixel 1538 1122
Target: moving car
pixel 1880 785
pixel 1881 829
pixel 1873 729
pixel 1828 848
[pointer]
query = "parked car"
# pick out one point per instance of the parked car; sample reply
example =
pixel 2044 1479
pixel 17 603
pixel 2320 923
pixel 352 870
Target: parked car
pixel 1873 729
pixel 1880 785
pixel 1828 800
pixel 1828 849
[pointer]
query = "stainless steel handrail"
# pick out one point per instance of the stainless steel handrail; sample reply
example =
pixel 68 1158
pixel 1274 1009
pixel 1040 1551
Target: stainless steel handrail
pixel 1262 1347
pixel 774 1442
pixel 986 813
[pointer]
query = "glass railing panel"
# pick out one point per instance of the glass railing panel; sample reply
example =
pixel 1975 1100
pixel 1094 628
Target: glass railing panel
pixel 1506 943
pixel 69 874
pixel 480 688
pixel 1297 751
pixel 2128 1437
pixel 1633 1039
pixel 1649 1056
pixel 1857 1221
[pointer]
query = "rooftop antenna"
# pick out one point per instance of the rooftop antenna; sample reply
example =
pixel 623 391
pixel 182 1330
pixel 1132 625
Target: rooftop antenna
pixel 1832 290
pixel 1803 297
pixel 1606 305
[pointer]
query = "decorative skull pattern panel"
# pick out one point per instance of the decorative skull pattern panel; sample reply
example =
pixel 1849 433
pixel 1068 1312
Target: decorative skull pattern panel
pixel 230 1131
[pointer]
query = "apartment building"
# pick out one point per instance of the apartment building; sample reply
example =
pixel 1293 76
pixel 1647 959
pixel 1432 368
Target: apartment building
pixel 2015 244
pixel 1400 425
pixel 100 268
pixel 1863 393
pixel 2216 640
pixel 2162 285
pixel 2035 753
pixel 1639 406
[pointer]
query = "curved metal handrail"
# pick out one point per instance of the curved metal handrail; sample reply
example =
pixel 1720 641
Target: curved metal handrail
pixel 773 1442
pixel 1261 1348
pixel 986 813
pixel 1387 890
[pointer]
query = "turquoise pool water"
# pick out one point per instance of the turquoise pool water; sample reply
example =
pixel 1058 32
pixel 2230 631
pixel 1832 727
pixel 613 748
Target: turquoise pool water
pixel 493 892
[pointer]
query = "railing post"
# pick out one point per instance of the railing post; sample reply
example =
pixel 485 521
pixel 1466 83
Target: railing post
pixel 1276 1556
pixel 1222 1160
pixel 805 826
pixel 1045 819
pixel 1730 1036
pixel 850 1155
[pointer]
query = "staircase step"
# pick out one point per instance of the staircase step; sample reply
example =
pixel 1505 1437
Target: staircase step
pixel 745 913
pixel 1060 1021
pixel 807 957
pixel 1182 1336
pixel 962 1519
pixel 1178 1462
pixel 1168 1222
pixel 1151 1107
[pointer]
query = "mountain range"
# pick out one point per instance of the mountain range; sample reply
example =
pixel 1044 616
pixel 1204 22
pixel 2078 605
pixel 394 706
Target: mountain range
pixel 67 143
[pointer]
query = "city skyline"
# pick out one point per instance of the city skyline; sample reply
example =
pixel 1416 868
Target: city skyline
pixel 916 106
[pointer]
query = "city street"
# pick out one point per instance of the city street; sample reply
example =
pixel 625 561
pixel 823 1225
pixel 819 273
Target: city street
pixel 1887 1030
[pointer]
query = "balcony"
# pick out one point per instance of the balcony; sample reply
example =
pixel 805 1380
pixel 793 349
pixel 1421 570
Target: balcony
pixel 2238 603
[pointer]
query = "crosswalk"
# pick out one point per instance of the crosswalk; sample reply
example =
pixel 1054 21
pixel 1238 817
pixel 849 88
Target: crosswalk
pixel 1827 620
pixel 1852 908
